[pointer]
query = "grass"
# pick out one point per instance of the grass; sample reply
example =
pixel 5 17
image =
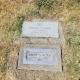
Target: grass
pixel 18 25
pixel 3 59
pixel 45 3
pixel 12 15
pixel 73 34
pixel 72 58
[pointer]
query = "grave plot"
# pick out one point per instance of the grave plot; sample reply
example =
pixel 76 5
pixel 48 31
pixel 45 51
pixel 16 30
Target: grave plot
pixel 42 32
pixel 42 57
pixel 40 52
pixel 40 29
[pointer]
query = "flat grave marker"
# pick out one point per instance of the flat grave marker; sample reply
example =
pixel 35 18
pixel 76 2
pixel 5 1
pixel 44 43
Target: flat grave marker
pixel 40 29
pixel 40 58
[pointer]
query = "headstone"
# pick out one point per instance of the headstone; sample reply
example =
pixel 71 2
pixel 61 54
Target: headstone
pixel 40 58
pixel 40 29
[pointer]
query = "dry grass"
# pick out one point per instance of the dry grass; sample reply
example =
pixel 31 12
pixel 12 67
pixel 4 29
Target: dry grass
pixel 11 17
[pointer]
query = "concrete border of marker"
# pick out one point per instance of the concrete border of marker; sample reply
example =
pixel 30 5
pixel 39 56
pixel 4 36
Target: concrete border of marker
pixel 56 68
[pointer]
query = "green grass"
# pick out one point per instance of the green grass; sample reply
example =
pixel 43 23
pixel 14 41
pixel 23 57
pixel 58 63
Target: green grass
pixel 47 4
pixel 19 23
pixel 73 34
pixel 73 63
pixel 72 59
pixel 17 26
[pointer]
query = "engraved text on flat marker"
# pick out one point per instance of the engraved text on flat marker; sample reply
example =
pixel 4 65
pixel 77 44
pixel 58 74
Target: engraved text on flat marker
pixel 40 29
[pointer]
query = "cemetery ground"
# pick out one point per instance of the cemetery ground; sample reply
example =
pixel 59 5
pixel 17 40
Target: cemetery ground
pixel 12 14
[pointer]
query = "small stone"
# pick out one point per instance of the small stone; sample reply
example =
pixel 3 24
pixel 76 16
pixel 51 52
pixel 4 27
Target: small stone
pixel 37 79
pixel 27 1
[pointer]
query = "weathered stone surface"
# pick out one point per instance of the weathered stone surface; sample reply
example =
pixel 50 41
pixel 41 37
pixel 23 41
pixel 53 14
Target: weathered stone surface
pixel 40 58
pixel 40 29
